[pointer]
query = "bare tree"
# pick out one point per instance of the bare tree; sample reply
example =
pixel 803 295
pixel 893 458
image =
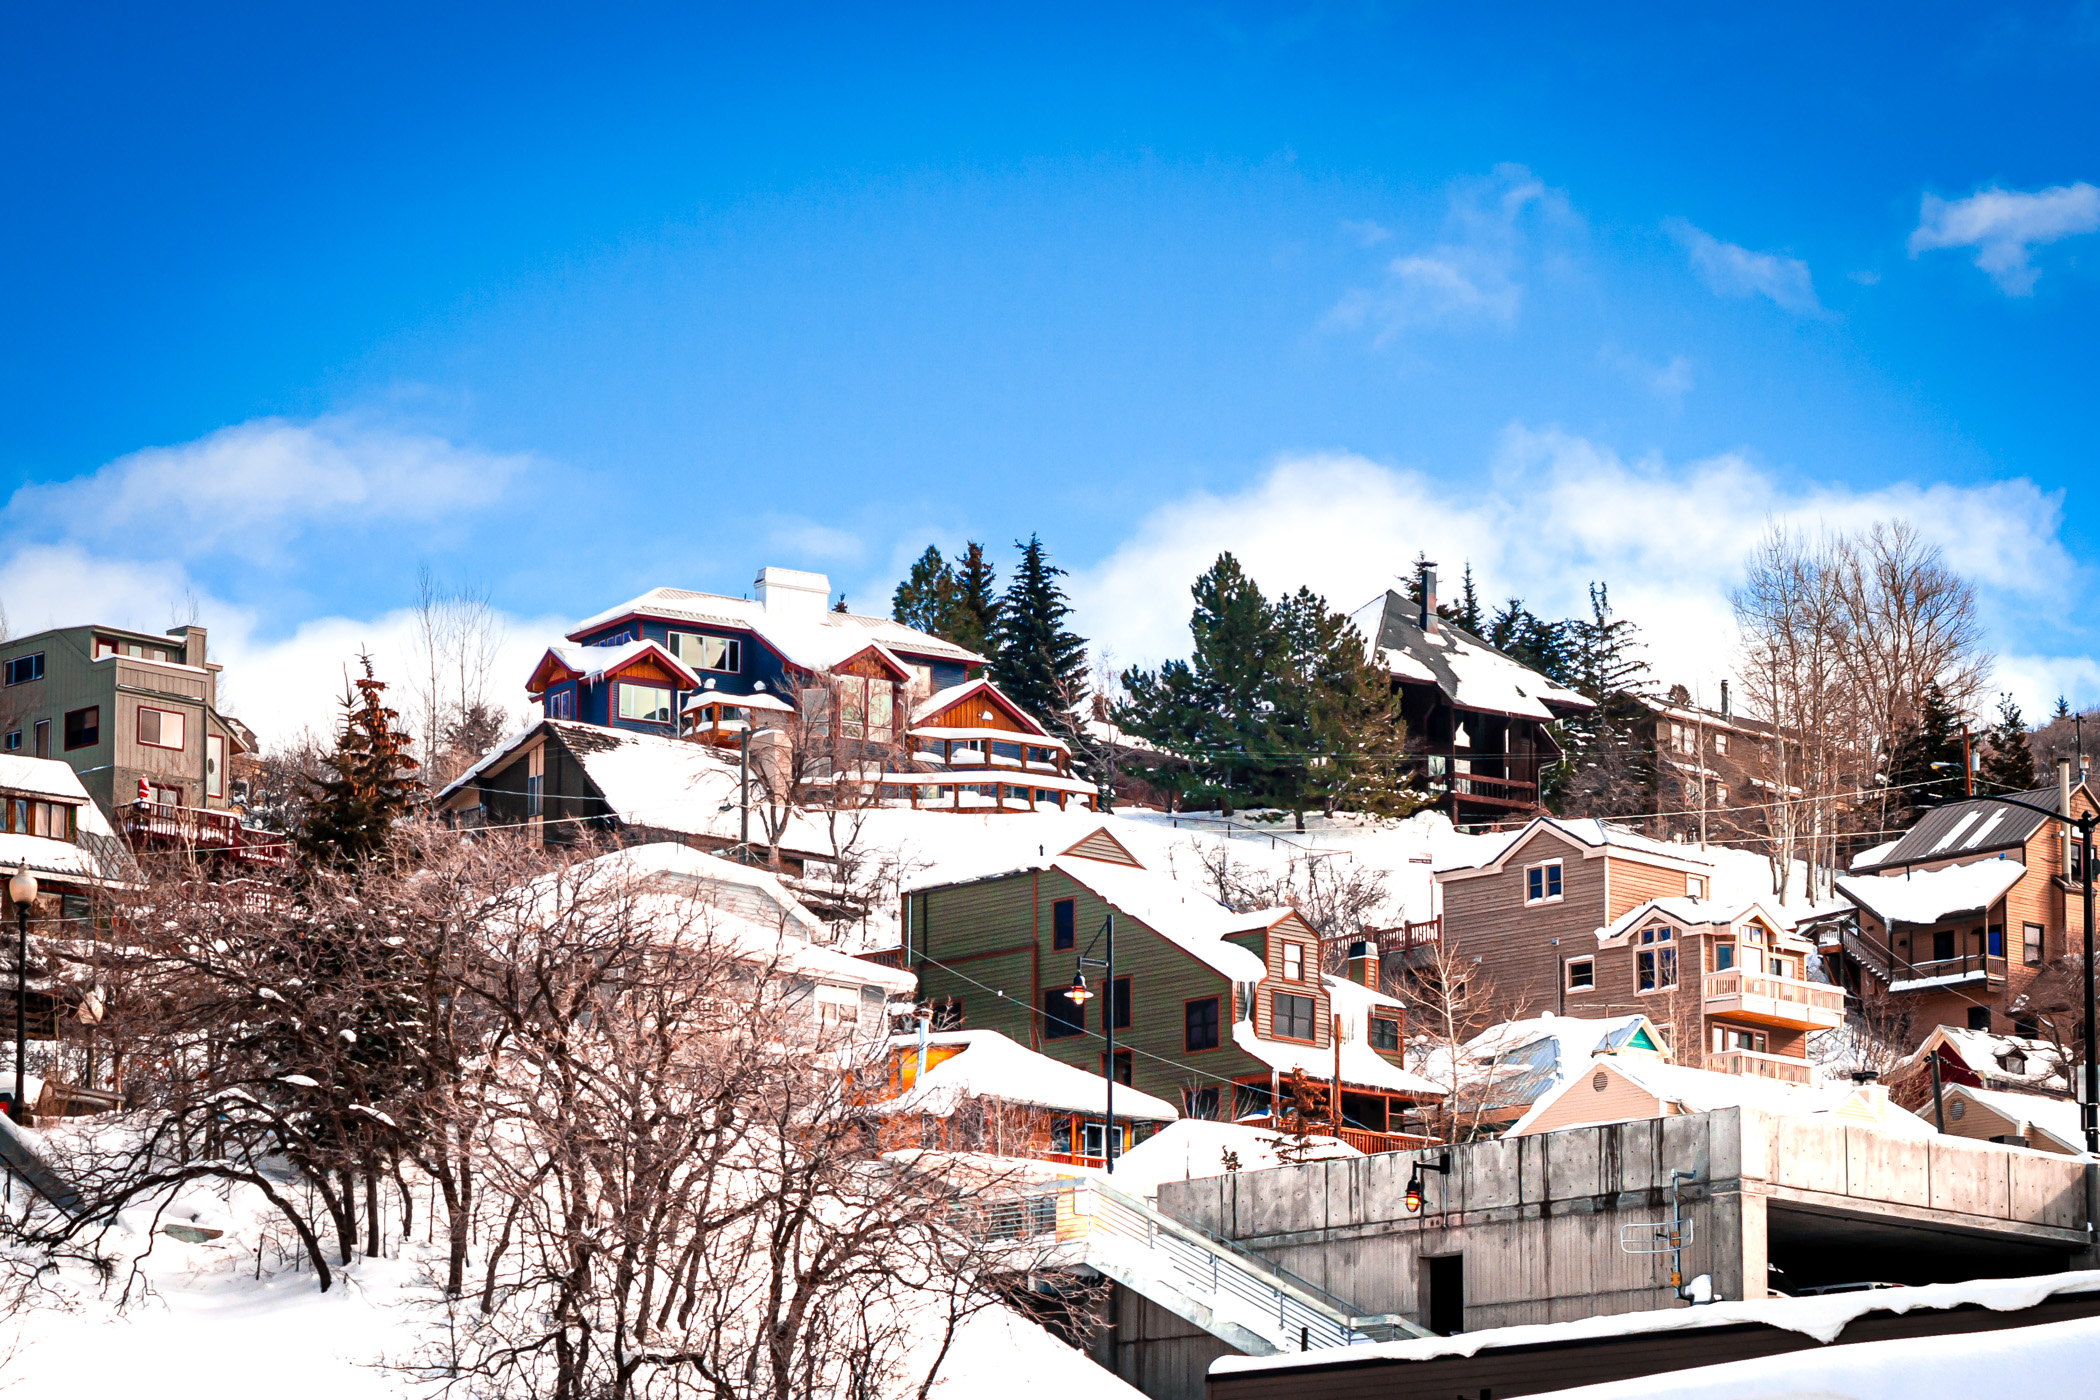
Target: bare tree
pixel 1451 999
pixel 457 635
pixel 1336 894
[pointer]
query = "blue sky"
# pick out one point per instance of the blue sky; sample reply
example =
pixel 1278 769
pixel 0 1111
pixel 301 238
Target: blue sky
pixel 568 306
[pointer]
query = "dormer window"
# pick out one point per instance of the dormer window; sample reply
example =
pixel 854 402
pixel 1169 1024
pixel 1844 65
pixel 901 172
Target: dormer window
pixel 1294 962
pixel 2013 1062
pixel 1655 959
pixel 1542 883
pixel 704 653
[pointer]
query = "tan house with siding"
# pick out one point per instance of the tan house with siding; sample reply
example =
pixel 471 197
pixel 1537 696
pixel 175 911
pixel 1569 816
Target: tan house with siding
pixel 1627 1089
pixel 1958 917
pixel 1580 918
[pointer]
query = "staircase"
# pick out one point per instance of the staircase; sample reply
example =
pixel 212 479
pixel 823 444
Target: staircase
pixel 19 1152
pixel 1233 1294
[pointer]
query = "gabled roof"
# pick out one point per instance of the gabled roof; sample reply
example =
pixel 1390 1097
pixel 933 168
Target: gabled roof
pixel 98 857
pixel 1471 674
pixel 1967 828
pixel 1190 921
pixel 1928 896
pixel 2053 1120
pixel 815 642
pixel 1693 913
pixel 1682 1089
pixel 1521 1061
pixel 1099 845
pixel 992 1066
pixel 939 705
pixel 1589 836
pixel 568 663
pixel 1983 1054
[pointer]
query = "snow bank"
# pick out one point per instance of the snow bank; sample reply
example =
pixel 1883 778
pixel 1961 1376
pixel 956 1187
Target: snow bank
pixel 1195 1148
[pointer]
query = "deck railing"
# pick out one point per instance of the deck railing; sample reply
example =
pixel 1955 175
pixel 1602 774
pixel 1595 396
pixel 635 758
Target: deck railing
pixel 1760 1065
pixel 1814 997
pixel 199 829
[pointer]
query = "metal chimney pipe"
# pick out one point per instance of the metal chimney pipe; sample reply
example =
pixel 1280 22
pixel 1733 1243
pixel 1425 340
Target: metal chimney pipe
pixel 1428 619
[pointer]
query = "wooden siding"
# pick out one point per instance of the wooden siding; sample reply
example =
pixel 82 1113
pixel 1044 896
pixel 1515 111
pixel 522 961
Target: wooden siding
pixel 1635 882
pixel 997 933
pixel 1486 917
pixel 1292 929
pixel 1619 1101
pixel 983 710
pixel 1102 846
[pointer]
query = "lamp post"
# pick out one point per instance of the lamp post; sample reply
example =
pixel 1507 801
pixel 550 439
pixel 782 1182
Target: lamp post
pixel 2088 1109
pixel 1080 995
pixel 21 889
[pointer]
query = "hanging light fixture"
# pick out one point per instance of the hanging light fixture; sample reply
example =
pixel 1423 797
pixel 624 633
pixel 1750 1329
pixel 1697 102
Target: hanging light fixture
pixel 1078 990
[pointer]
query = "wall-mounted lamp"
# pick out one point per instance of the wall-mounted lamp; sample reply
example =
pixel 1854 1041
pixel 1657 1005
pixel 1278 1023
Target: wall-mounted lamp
pixel 1413 1199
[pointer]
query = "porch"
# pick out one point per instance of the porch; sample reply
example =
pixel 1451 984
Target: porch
pixel 199 831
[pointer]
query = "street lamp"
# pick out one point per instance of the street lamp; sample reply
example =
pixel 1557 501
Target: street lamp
pixel 1078 994
pixel 2088 1109
pixel 21 889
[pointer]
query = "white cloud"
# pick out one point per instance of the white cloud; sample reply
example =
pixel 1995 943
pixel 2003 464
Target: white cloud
pixel 1473 274
pixel 810 541
pixel 1366 231
pixel 1732 271
pixel 1549 513
pixel 1671 380
pixel 2005 226
pixel 244 490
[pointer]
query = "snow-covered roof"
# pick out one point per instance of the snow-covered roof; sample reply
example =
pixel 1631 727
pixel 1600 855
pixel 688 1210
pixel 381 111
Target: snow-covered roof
pixel 2055 1119
pixel 1691 912
pixel 955 694
pixel 992 1066
pixel 1684 1089
pixel 709 698
pixel 1361 1065
pixel 1183 916
pixel 99 856
pixel 594 662
pixel 1470 673
pixel 1590 833
pixel 1517 1062
pixel 1984 1052
pixel 1871 856
pixel 1973 826
pixel 1928 896
pixel 815 639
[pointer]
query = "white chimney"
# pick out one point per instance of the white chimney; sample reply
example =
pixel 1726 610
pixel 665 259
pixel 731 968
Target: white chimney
pixel 792 592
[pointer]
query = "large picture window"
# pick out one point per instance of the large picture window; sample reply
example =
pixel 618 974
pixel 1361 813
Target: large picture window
pixel 162 729
pixel 650 704
pixel 703 653
pixel 1291 1016
pixel 25 668
pixel 1061 1015
pixel 1655 960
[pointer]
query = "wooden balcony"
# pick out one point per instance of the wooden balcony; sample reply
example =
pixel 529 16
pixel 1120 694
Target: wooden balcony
pixel 1367 1142
pixel 1784 1068
pixel 164 826
pixel 1742 995
pixel 1941 972
pixel 1439 773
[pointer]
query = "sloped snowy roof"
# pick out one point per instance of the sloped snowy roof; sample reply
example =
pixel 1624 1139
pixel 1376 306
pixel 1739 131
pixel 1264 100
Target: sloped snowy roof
pixel 1591 832
pixel 1183 916
pixel 1928 896
pixel 1518 1061
pixel 1692 1090
pixel 2056 1119
pixel 99 856
pixel 1691 912
pixel 1470 673
pixel 592 662
pixel 1195 1147
pixel 1983 1052
pixel 817 640
pixel 1361 1065
pixel 992 1066
pixel 1960 828
pixel 1872 856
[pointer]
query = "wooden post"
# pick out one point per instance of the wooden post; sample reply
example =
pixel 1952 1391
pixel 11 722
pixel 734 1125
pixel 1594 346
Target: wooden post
pixel 1334 1102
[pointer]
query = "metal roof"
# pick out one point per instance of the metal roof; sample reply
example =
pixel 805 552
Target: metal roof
pixel 1471 674
pixel 1968 828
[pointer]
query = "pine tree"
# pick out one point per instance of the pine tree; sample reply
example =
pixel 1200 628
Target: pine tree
pixel 1925 764
pixel 2008 761
pixel 1607 768
pixel 973 617
pixel 840 605
pixel 926 598
pixel 2063 708
pixel 1038 661
pixel 1467 613
pixel 351 815
pixel 1523 636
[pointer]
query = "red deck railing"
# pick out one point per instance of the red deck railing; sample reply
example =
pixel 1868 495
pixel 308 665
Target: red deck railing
pixel 163 824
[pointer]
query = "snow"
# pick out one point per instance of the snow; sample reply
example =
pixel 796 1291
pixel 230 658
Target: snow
pixel 991 1066
pixel 1982 1052
pixel 1194 1148
pixel 1928 896
pixel 1821 1318
pixel 1874 855
pixel 1690 912
pixel 1701 1091
pixel 593 662
pixel 1176 912
pixel 1361 1065
pixel 2056 1119
pixel 98 856
pixel 815 639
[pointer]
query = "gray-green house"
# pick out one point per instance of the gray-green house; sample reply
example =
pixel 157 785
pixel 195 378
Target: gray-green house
pixel 122 708
pixel 1213 1010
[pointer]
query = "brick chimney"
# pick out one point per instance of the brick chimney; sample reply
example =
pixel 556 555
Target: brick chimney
pixel 1428 618
pixel 1724 697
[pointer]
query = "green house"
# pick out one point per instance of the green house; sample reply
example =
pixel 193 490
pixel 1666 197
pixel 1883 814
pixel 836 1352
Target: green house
pixel 1213 1010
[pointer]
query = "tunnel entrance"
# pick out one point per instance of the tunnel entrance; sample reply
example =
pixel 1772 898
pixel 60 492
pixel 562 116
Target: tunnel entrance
pixel 1814 1247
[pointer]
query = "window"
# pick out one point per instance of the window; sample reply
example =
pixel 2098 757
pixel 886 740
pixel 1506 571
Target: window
pixel 161 729
pixel 1582 974
pixel 1942 944
pixel 921 678
pixel 14 741
pixel 708 653
pixel 25 668
pixel 1291 1016
pixel 1979 1018
pixel 1201 1104
pixel 1199 1024
pixel 1385 1034
pixel 41 735
pixel 1730 1038
pixel 1994 941
pixel 651 704
pixel 214 766
pixel 1091 1139
pixel 1294 962
pixel 1721 745
pixel 536 782
pixel 1064 919
pixel 1542 883
pixel 1655 962
pixel 1121 1001
pixel 2031 944
pixel 1780 968
pixel 1695 886
pixel 1724 956
pixel 55 821
pixel 83 727
pixel 561 704
pixel 164 794
pixel 1061 1015
pixel 1125 1067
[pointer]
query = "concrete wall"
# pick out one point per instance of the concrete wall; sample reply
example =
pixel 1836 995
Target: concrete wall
pixel 1538 1219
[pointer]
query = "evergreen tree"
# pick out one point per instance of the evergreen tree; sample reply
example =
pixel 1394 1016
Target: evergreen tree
pixel 1523 636
pixel 973 617
pixel 1607 768
pixel 1337 734
pixel 350 816
pixel 2063 708
pixel 2008 761
pixel 840 605
pixel 1925 764
pixel 926 598
pixel 1038 661
pixel 1467 613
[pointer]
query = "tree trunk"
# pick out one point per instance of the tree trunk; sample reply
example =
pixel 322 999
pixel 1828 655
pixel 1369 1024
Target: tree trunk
pixel 371 1174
